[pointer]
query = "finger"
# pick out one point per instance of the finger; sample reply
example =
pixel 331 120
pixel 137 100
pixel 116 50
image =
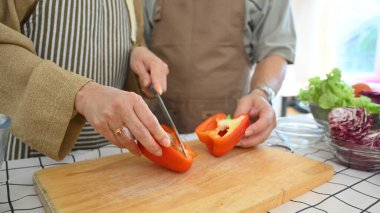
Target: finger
pixel 151 123
pixel 128 141
pixel 117 128
pixel 254 140
pixel 261 118
pixel 243 106
pixel 164 77
pixel 254 113
pixel 101 131
pixel 108 133
pixel 133 147
pixel 155 72
pixel 143 136
pixel 143 74
pixel 164 83
pixel 119 136
pixel 258 126
pixel 138 129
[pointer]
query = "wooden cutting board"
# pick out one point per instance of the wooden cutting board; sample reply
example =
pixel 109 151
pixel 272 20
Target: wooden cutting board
pixel 251 180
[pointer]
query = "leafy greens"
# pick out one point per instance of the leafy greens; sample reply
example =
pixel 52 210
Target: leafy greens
pixel 332 92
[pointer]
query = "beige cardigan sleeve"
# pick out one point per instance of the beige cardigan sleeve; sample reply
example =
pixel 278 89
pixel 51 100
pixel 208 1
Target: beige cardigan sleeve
pixel 37 94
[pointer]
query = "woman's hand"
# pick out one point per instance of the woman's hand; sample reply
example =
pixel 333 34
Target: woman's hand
pixel 109 109
pixel 263 115
pixel 150 69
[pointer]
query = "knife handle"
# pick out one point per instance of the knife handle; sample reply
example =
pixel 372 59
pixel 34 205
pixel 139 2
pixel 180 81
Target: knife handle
pixel 151 90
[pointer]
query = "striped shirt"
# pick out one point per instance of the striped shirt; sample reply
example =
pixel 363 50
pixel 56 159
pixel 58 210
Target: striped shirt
pixel 87 37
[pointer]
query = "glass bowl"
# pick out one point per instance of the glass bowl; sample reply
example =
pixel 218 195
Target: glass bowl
pixel 320 115
pixel 353 155
pixel 299 132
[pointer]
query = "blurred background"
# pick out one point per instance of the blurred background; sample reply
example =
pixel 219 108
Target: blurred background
pixel 333 33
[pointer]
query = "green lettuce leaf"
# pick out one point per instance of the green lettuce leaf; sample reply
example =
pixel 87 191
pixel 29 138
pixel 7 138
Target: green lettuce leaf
pixel 332 92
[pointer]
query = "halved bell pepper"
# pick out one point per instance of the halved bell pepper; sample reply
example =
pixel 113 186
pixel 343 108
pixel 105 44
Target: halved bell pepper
pixel 172 157
pixel 221 133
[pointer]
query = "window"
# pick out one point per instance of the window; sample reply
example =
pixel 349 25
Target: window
pixel 335 33
pixel 357 39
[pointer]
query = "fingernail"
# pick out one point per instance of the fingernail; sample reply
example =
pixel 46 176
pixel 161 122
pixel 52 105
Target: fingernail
pixel 146 82
pixel 166 142
pixel 159 91
pixel 158 153
pixel 248 133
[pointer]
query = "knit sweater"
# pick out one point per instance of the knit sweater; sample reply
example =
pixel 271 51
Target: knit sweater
pixel 38 95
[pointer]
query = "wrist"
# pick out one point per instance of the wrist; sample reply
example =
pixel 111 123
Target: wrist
pixel 81 96
pixel 266 92
pixel 261 94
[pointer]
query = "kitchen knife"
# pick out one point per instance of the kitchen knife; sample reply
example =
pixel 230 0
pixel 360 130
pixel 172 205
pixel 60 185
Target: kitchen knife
pixel 168 117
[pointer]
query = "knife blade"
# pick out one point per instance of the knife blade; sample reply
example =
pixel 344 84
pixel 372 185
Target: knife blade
pixel 168 117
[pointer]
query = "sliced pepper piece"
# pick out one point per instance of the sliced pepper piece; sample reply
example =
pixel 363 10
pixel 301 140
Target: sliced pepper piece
pixel 220 133
pixel 172 157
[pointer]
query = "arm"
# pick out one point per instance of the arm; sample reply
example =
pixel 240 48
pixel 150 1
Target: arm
pixel 150 69
pixel 274 31
pixel 38 96
pixel 270 72
pixel 42 99
pixel 274 39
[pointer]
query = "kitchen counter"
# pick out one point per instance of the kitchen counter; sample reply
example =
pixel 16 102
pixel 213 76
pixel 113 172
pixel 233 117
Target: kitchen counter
pixel 349 190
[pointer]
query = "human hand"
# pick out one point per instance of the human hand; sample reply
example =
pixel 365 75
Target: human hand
pixel 109 109
pixel 150 69
pixel 262 113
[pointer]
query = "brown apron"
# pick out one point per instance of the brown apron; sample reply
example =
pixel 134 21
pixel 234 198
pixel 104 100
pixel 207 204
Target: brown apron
pixel 202 43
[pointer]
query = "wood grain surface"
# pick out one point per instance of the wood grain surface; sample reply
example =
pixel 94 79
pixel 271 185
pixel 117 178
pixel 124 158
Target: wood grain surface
pixel 244 180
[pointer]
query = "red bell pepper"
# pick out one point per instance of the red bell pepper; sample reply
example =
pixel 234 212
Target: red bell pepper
pixel 221 133
pixel 172 157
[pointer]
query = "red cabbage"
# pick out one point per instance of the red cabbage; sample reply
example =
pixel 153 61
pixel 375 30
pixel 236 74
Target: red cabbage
pixel 372 139
pixel 373 95
pixel 353 125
